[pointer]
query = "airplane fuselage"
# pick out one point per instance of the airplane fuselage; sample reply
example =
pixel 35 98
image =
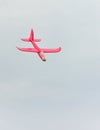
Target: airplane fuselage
pixel 36 48
pixel 40 52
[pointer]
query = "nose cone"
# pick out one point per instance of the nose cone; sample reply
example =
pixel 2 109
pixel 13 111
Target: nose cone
pixel 43 58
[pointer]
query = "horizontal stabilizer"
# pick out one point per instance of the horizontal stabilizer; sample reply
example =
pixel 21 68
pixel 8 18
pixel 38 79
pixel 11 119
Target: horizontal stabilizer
pixel 37 40
pixel 31 38
pixel 25 39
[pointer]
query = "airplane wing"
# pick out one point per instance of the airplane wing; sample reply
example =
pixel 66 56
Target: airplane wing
pixel 51 50
pixel 27 49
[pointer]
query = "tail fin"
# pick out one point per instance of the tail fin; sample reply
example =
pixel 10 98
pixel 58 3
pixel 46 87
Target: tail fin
pixel 31 38
pixel 37 40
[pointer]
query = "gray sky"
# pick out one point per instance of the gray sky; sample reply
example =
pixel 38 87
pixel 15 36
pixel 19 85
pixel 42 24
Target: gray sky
pixel 64 92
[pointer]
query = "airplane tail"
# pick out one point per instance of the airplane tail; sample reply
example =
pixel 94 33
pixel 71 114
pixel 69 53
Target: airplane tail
pixel 31 38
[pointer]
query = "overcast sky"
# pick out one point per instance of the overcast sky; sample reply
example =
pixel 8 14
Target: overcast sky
pixel 63 92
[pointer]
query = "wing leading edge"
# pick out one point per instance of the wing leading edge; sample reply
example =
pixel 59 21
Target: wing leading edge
pixel 43 49
pixel 27 49
pixel 51 50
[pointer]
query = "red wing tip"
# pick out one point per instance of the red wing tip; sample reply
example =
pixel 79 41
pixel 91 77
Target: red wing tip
pixel 18 48
pixel 21 39
pixel 59 48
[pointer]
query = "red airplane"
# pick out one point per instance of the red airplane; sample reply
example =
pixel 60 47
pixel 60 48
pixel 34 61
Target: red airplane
pixel 36 49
